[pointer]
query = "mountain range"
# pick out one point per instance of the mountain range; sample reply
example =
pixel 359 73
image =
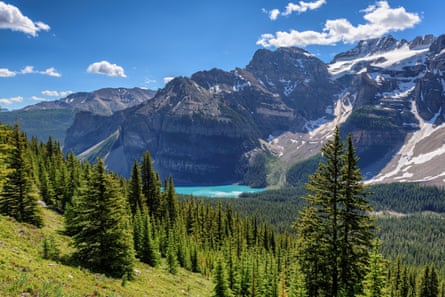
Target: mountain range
pixel 220 126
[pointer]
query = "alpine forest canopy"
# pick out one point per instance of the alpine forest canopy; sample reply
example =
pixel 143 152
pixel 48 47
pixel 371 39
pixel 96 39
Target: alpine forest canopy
pixel 115 224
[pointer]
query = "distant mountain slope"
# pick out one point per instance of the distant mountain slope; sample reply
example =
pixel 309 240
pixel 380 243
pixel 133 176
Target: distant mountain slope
pixel 53 118
pixel 41 123
pixel 104 101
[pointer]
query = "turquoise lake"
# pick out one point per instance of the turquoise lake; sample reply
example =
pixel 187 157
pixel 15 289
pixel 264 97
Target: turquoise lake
pixel 227 191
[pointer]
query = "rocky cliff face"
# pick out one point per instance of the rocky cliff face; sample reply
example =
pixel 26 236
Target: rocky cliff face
pixel 204 129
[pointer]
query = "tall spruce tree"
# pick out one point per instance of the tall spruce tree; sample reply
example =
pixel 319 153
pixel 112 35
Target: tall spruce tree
pixel 334 228
pixel 151 187
pixel 221 285
pixel 5 150
pixel 103 240
pixel 135 190
pixel 19 198
pixel 172 207
pixel 374 282
pixel 356 228
pixel 428 283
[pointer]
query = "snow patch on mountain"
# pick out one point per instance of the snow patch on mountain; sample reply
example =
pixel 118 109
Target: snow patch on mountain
pixel 392 60
pixel 413 155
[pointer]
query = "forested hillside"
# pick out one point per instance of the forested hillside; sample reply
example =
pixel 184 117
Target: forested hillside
pixel 114 225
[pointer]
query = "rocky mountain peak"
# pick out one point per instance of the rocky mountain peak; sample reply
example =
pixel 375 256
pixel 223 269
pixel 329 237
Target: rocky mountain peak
pixel 421 42
pixel 438 45
pixel 182 97
pixel 369 47
pixel 272 61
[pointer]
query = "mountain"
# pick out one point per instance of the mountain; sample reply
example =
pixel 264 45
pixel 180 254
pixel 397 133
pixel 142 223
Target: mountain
pixel 104 101
pixel 199 129
pixel 220 126
pixel 53 118
pixel 395 94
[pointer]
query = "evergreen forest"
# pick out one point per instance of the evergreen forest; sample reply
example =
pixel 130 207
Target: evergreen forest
pixel 329 236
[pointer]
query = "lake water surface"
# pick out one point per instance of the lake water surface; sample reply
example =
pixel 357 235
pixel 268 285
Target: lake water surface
pixel 227 191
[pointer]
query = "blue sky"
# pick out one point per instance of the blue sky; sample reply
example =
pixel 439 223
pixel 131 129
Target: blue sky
pixel 50 48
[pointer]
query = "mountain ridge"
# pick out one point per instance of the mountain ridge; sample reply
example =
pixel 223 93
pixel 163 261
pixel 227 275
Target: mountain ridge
pixel 209 127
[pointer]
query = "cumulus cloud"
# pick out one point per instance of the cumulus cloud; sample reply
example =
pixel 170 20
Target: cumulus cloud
pixel 303 6
pixel 9 101
pixel 56 93
pixel 273 14
pixel 106 68
pixel 168 79
pixel 299 7
pixel 50 71
pixel 6 72
pixel 35 98
pixel 27 70
pixel 12 18
pixel 381 19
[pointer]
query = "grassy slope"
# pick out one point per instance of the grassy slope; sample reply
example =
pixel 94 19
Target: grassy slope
pixel 22 269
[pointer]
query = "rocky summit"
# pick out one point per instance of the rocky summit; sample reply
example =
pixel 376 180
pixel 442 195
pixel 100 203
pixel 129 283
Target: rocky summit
pixel 209 128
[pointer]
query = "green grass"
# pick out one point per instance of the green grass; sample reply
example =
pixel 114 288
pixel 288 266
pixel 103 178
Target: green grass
pixel 23 271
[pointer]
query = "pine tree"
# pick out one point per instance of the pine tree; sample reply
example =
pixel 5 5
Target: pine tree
pixel 297 285
pixel 151 187
pixel 428 283
pixel 172 202
pixel 19 198
pixel 355 234
pixel 172 253
pixel 73 181
pixel 5 150
pixel 138 232
pixel 221 286
pixel 374 282
pixel 149 251
pixel 135 190
pixel 50 249
pixel 334 228
pixel 103 240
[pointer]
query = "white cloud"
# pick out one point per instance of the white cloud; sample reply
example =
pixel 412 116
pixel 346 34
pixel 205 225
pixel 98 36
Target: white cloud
pixel 273 14
pixel 12 18
pixel 293 7
pixel 12 100
pixel 27 70
pixel 50 71
pixel 35 98
pixel 381 19
pixel 303 6
pixel 56 93
pixel 106 68
pixel 168 79
pixel 6 72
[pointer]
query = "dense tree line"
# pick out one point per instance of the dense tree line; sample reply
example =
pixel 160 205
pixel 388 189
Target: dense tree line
pixel 115 221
